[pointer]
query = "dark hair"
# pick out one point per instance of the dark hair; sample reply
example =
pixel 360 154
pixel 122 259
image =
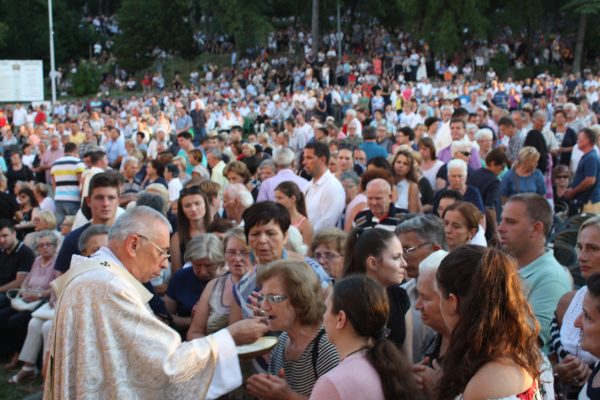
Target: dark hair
pixel 29 193
pixel 593 285
pixel 320 149
pixel 560 111
pixel 173 169
pixel 369 133
pixel 104 179
pixel 430 121
pixel 220 225
pixel 290 189
pixel 412 171
pixel 428 143
pixel 371 174
pixel 7 223
pixel 185 135
pixel 158 166
pixel 183 224
pixel 495 319
pixel 96 156
pixel 365 303
pixel 70 147
pixel 496 156
pixel 381 163
pixel 362 244
pixel 537 208
pixel 407 131
pixel 290 121
pixel 591 135
pixel 450 194
pixel 142 134
pixel 459 113
pixel 264 212
pixel 458 121
pixel 506 121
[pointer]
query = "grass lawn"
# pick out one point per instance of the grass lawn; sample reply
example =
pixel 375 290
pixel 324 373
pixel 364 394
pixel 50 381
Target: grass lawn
pixel 9 391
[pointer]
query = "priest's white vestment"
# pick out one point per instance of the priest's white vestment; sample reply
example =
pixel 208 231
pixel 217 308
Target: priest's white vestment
pixel 107 343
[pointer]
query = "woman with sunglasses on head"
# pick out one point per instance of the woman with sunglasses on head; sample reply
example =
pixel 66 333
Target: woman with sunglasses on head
pixel 524 176
pixel 212 310
pixel 205 257
pixel 355 321
pixel 292 300
pixel 378 254
pixel 193 219
pixel 493 351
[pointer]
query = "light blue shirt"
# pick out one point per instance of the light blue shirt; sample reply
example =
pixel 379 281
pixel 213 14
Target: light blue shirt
pixel 545 281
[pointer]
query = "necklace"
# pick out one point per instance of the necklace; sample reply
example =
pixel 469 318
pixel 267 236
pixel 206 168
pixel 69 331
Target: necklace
pixel 357 350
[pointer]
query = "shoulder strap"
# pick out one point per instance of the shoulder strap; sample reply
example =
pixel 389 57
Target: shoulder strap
pixel 315 351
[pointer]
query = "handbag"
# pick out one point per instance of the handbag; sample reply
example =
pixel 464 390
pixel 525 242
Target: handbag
pixel 17 302
pixel 45 312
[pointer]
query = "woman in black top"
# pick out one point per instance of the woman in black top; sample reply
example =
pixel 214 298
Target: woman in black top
pixel 377 253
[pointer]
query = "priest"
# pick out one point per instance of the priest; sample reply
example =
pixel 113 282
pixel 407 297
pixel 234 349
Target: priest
pixel 107 344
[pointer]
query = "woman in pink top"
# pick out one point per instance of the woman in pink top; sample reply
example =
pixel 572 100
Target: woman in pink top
pixel 372 367
pixel 289 195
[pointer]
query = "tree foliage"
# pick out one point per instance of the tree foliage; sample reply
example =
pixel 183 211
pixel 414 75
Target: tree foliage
pixel 150 24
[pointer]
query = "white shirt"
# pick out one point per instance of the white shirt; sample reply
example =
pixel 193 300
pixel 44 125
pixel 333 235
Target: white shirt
pixel 325 201
pixel 19 116
pixel 175 187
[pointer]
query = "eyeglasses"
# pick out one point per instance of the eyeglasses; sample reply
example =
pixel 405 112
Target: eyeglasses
pixel 164 254
pixel 327 256
pixel 465 153
pixel 46 245
pixel 233 253
pixel 274 298
pixel 411 250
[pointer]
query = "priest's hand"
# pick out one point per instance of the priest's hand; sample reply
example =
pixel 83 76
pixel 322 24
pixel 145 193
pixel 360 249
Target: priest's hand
pixel 248 330
pixel 270 387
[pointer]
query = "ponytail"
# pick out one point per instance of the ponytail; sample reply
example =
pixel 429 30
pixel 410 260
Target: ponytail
pixel 393 369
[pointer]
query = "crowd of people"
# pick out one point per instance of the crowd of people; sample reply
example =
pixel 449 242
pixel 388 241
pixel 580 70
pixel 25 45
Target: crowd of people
pixel 375 223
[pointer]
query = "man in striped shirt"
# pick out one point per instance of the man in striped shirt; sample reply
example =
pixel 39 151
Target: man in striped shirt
pixel 381 211
pixel 66 175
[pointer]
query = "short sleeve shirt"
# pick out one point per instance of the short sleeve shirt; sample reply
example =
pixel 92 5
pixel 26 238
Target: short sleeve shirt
pixel 19 261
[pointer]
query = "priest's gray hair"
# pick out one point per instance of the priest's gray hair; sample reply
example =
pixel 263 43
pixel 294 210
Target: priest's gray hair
pixel 139 220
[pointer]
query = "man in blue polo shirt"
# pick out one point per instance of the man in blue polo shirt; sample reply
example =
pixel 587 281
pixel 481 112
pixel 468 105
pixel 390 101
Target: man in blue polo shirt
pixel 585 188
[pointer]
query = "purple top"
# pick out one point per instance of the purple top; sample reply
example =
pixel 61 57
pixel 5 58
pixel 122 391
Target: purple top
pixel 267 188
pixel 474 162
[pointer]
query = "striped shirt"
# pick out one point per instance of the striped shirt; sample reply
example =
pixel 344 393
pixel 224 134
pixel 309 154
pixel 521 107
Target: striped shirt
pixel 65 172
pixel 302 373
pixel 365 219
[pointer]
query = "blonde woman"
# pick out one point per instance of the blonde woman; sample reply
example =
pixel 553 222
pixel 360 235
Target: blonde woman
pixel 524 176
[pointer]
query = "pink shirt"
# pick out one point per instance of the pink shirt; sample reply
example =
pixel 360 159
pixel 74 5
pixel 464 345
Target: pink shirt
pixel 342 383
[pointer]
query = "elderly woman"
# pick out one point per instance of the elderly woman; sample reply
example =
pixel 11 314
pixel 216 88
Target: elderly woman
pixel 524 176
pixel 266 227
pixel 484 138
pixel 460 150
pixel 43 221
pixel 457 181
pixel 204 257
pixel 212 310
pixel 36 286
pixel 327 248
pixel 38 328
pixel 238 172
pixel 293 302
pixel 572 364
pixel 40 190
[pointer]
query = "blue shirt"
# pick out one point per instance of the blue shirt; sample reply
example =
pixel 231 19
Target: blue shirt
pixel 373 150
pixel 588 166
pixel 545 281
pixel 185 288
pixel 115 149
pixel 514 184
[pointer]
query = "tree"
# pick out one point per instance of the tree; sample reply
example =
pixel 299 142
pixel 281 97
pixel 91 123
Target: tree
pixel 444 23
pixel 584 8
pixel 3 33
pixel 150 24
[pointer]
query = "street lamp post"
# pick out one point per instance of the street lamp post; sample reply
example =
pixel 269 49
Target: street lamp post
pixel 52 64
